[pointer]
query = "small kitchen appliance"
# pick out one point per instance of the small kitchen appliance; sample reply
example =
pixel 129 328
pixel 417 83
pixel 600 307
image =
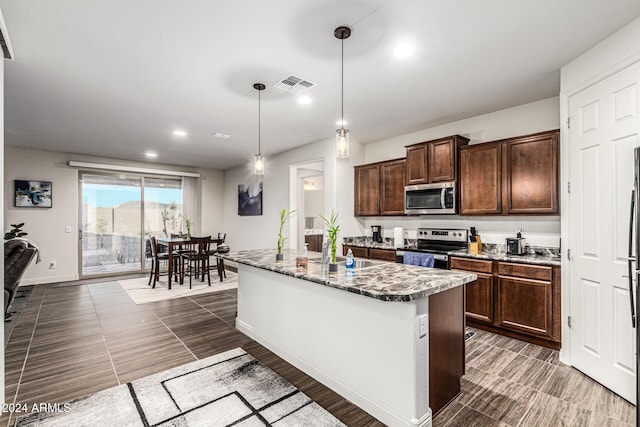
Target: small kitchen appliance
pixel 429 199
pixel 377 233
pixel 438 242
pixel 517 245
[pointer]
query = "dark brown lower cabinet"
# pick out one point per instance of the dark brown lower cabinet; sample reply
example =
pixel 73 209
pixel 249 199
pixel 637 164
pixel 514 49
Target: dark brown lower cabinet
pixel 525 306
pixel 372 253
pixel 382 254
pixel 357 251
pixel 314 241
pixel 513 299
pixel 479 298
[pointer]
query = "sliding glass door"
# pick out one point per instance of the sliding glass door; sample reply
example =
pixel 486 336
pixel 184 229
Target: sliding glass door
pixel 118 215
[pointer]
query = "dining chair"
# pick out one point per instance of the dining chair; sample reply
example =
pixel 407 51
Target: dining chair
pixel 156 258
pixel 180 249
pixel 197 259
pixel 221 248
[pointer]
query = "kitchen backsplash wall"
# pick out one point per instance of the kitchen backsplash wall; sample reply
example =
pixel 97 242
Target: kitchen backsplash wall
pixel 539 231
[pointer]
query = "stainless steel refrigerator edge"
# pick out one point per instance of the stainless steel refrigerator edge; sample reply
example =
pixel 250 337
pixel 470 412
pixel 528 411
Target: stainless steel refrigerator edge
pixel 634 272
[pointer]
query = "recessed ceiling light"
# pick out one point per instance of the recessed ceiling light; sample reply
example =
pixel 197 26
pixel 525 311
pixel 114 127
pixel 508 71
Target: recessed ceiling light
pixel 342 123
pixel 304 100
pixel 151 154
pixel 179 133
pixel 221 135
pixel 403 50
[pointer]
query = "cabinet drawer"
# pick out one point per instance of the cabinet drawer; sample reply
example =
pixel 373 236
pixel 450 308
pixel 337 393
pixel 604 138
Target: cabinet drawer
pixel 469 264
pixel 536 272
pixel 357 251
pixel 384 254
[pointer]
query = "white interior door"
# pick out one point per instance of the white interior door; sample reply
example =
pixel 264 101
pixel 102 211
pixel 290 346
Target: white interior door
pixel 603 133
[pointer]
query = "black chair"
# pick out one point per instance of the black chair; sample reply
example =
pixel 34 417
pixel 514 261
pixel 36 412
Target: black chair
pixel 156 258
pixel 197 259
pixel 222 248
pixel 18 254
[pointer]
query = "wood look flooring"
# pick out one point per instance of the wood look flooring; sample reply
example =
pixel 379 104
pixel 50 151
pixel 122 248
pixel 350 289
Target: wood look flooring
pixel 74 340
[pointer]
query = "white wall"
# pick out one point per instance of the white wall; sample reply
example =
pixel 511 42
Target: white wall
pixel 46 227
pixel 279 192
pixel 521 120
pixel 601 60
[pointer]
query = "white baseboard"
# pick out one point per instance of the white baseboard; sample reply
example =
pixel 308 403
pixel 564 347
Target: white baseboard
pixel 48 279
pixel 374 408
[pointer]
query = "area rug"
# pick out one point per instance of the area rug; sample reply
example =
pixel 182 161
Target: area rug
pixel 230 388
pixel 140 292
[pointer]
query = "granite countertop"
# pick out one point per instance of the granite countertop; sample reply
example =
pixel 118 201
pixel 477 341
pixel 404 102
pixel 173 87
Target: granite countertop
pixel 386 281
pixel 502 256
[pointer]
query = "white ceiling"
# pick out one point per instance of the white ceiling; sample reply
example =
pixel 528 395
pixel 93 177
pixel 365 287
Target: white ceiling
pixel 115 78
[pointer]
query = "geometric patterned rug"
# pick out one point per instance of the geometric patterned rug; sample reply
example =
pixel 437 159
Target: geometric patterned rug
pixel 228 389
pixel 141 293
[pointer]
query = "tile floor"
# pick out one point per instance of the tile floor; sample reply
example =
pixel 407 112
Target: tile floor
pixel 511 383
pixel 72 340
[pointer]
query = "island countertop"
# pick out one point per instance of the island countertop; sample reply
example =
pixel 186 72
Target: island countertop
pixel 382 280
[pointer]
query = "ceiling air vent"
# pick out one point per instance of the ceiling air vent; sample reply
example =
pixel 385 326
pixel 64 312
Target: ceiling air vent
pixel 294 84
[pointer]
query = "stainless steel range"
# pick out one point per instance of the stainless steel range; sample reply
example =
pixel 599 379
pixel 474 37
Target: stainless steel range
pixel 438 242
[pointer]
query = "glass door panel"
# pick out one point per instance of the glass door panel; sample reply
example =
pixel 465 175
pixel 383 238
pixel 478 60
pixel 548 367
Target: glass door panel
pixel 162 210
pixel 111 222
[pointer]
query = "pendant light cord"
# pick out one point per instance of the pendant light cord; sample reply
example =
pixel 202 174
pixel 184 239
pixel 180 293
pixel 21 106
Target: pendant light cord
pixel 259 121
pixel 342 84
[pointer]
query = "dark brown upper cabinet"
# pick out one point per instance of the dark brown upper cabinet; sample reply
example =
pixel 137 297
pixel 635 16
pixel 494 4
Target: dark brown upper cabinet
pixel 434 161
pixel 367 190
pixel 392 175
pixel 481 179
pixel 532 174
pixel 515 176
pixel 379 188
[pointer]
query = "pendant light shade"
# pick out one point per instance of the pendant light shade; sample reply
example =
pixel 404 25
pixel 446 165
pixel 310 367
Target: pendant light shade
pixel 258 159
pixel 342 134
pixel 342 143
pixel 258 164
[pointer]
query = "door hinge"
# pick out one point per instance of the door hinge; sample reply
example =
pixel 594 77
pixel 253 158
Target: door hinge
pixel 569 255
pixel 569 321
pixel 568 122
pixel 568 186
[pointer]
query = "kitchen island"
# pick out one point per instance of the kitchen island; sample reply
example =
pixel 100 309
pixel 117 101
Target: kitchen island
pixel 367 337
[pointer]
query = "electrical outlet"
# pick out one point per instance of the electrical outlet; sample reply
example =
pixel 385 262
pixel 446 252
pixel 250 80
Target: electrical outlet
pixel 422 321
pixel 67 229
pixel 52 265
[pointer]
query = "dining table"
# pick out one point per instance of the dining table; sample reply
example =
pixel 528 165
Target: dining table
pixel 175 243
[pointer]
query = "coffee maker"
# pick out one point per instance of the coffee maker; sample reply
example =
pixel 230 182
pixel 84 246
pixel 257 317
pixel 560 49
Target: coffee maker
pixel 376 230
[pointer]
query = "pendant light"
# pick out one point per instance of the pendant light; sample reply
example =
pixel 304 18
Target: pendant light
pixel 342 134
pixel 258 159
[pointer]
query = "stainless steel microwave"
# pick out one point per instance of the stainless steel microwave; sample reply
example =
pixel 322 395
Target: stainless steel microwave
pixel 428 199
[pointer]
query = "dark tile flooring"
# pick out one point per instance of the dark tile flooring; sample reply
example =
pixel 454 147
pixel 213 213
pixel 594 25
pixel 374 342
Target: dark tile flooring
pixel 511 383
pixel 70 341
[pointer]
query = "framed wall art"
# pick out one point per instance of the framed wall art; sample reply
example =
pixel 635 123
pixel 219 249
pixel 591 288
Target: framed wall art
pixel 250 199
pixel 33 194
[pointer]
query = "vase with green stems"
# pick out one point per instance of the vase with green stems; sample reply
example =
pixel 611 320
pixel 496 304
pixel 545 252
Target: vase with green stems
pixel 187 223
pixel 284 214
pixel 332 234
